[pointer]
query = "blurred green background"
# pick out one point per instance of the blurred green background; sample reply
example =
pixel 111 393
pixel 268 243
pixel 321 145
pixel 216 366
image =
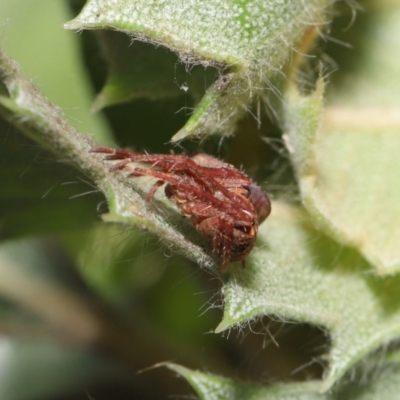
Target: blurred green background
pixel 31 32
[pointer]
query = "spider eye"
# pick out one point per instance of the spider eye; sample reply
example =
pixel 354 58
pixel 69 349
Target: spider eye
pixel 241 226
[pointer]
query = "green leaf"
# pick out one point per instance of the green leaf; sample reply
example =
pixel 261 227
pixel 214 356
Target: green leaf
pixel 298 274
pixel 347 156
pixel 378 378
pixel 248 40
pixel 213 387
pixel 368 383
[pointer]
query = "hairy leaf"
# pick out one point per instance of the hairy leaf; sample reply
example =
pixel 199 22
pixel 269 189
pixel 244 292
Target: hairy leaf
pixel 368 383
pixel 248 40
pixel 299 274
pixel 347 156
pixel 213 387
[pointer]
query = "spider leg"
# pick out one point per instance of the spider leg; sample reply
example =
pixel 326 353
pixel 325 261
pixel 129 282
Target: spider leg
pixel 161 161
pixel 209 178
pixel 113 154
pixel 226 233
pixel 167 163
pixel 220 227
pixel 153 189
pixel 191 191
pixel 121 165
pixel 180 165
pixel 164 161
pixel 198 188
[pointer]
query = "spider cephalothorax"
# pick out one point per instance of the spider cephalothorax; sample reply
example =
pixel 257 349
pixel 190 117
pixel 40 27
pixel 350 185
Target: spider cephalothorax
pixel 222 202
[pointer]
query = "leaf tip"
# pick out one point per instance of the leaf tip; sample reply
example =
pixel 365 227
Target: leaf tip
pixel 180 135
pixel 222 326
pixel 74 24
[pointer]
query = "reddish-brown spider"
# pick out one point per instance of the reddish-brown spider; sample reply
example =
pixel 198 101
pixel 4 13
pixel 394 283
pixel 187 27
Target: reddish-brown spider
pixel 222 202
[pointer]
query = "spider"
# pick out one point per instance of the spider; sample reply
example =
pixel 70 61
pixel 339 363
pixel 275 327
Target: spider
pixel 222 202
